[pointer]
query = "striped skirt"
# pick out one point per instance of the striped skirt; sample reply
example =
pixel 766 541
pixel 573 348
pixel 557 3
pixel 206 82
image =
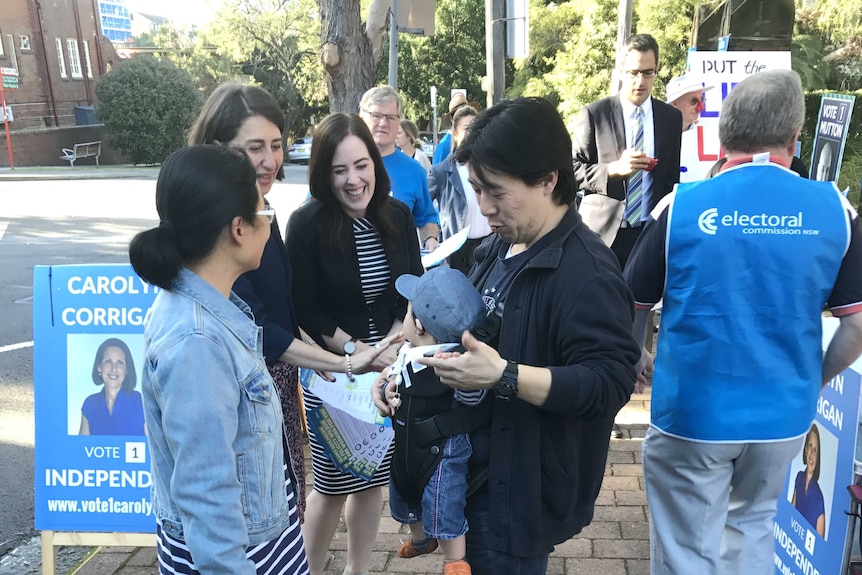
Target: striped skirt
pixel 284 555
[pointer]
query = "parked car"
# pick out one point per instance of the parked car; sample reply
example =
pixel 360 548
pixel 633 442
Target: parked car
pixel 427 143
pixel 299 151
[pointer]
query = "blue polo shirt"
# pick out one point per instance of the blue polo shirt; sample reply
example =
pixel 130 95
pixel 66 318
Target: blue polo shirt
pixel 746 262
pixel 409 182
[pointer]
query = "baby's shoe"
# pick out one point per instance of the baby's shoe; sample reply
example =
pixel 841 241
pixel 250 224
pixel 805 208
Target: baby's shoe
pixel 457 568
pixel 410 549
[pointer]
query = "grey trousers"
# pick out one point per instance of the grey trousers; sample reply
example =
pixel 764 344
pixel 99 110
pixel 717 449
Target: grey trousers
pixel 712 505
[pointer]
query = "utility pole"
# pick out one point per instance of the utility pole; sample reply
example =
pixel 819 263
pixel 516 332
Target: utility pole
pixel 393 45
pixel 495 53
pixel 624 30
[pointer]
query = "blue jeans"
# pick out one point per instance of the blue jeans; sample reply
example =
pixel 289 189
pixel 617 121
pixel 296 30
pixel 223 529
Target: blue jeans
pixel 444 497
pixel 486 561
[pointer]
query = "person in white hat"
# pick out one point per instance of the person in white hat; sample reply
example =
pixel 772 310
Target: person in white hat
pixel 685 93
pixel 444 146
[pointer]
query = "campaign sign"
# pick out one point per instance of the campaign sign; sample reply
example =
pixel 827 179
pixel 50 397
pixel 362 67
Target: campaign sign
pixel 92 464
pixel 722 71
pixel 810 528
pixel 830 137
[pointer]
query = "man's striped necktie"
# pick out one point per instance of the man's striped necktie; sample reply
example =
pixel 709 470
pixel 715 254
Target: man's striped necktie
pixel 634 195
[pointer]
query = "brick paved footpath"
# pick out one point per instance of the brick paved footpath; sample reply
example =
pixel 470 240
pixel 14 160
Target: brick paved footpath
pixel 616 543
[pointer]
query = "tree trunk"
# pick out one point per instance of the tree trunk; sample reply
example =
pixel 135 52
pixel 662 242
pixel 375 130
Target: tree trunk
pixel 350 49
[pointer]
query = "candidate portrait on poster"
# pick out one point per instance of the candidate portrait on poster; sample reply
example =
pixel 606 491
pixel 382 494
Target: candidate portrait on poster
pixel 825 161
pixel 102 378
pixel 812 478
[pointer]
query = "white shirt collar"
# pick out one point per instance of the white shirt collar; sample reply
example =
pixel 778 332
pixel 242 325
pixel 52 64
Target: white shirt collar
pixel 629 108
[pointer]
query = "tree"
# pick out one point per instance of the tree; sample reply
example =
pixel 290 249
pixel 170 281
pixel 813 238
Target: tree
pixel 669 22
pixel 276 42
pixel 147 105
pixel 453 58
pixel 350 49
pixel 192 51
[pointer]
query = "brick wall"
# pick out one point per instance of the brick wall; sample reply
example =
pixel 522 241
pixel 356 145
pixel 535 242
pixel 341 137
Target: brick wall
pixel 32 102
pixel 43 147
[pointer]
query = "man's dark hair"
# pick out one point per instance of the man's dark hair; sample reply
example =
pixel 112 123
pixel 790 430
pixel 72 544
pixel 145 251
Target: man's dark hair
pixel 523 138
pixel 643 43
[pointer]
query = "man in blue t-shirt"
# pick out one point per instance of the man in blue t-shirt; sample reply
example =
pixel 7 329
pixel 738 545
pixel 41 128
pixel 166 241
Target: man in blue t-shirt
pixel 381 109
pixel 745 263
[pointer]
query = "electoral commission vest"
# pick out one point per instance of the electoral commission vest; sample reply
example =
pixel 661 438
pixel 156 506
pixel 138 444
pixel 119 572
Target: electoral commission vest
pixel 752 256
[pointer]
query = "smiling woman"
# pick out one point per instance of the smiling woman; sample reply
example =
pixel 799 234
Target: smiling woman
pixel 347 246
pixel 117 409
pixel 249 119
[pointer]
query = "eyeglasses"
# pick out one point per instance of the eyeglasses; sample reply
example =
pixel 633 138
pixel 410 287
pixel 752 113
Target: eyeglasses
pixel 391 118
pixel 645 73
pixel 269 213
pixel 108 364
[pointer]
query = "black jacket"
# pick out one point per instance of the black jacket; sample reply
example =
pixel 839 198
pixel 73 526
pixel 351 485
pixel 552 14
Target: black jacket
pixel 327 290
pixel 569 310
pixel 267 290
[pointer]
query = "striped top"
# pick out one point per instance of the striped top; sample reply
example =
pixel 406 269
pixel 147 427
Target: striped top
pixel 373 269
pixel 284 555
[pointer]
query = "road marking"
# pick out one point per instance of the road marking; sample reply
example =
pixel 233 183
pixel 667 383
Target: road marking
pixel 15 346
pixel 3 226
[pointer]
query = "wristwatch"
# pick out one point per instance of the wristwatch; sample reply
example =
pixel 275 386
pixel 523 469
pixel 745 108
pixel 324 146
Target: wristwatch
pixel 507 386
pixel 350 347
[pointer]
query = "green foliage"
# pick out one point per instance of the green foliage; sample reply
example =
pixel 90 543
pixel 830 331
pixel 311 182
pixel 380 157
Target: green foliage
pixel 273 43
pixel 191 51
pixel 669 22
pixel 453 58
pixel 582 71
pixel 840 21
pixel 276 43
pixel 552 26
pixel 807 60
pixel 146 106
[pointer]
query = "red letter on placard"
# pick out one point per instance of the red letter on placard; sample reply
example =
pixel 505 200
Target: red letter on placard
pixel 701 155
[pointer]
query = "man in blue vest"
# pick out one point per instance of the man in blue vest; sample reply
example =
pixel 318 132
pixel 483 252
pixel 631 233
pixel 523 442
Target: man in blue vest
pixel 746 262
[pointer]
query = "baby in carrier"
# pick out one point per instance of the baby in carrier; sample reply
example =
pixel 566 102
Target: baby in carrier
pixel 432 422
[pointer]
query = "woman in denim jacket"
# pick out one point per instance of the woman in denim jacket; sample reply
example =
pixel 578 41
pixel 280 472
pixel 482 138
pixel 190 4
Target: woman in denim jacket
pixel 222 494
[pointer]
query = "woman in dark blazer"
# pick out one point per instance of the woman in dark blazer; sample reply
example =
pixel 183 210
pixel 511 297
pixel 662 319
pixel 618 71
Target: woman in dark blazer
pixel 249 119
pixel 347 246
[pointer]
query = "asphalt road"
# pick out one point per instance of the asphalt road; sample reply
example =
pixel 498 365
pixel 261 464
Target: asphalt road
pixel 55 223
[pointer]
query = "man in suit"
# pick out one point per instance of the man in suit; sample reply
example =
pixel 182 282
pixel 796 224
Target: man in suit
pixel 450 188
pixel 615 142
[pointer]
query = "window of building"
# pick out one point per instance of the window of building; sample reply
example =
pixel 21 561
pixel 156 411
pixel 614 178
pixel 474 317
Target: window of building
pixel 10 49
pixel 24 42
pixel 87 59
pixel 2 51
pixel 60 58
pixel 74 58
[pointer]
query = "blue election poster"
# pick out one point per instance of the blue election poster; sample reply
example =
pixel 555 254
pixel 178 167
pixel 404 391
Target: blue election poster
pixel 92 465
pixel 810 528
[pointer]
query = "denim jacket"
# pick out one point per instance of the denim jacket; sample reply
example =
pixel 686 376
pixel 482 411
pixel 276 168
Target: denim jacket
pixel 214 426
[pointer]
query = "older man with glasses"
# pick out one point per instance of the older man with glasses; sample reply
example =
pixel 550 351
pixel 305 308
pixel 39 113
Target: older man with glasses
pixel 686 93
pixel 626 151
pixel 381 107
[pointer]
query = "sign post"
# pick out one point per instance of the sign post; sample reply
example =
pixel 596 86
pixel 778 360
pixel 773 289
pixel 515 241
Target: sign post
pixel 8 79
